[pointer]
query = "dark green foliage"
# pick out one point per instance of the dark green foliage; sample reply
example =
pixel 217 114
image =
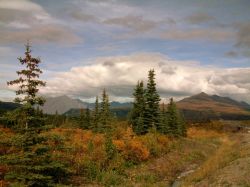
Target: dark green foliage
pixel 32 164
pixel 105 115
pixel 146 114
pixel 85 119
pixel 96 116
pixel 110 147
pixel 6 106
pixel 152 110
pixel 164 127
pixel 175 123
pixel 138 110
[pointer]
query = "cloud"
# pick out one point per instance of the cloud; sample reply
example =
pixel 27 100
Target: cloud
pixel 198 34
pixel 80 16
pixel 40 34
pixel 231 54
pixel 21 20
pixel 23 12
pixel 137 23
pixel 199 18
pixel 24 5
pixel 6 51
pixel 119 74
pixel 243 36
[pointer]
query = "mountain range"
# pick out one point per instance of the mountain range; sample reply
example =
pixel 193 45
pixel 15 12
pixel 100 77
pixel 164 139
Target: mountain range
pixel 197 108
pixel 67 105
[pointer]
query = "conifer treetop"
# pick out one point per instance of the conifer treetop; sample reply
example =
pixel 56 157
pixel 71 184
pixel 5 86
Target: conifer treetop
pixel 28 80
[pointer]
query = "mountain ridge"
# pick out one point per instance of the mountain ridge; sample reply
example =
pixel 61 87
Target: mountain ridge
pixel 203 107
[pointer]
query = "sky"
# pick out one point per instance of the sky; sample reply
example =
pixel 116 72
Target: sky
pixel 88 45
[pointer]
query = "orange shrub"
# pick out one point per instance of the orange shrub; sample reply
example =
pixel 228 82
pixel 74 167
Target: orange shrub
pixel 98 140
pixel 163 140
pixel 137 151
pixel 120 145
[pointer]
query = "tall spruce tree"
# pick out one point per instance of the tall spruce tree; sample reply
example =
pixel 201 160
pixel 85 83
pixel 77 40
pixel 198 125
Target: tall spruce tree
pixel 29 84
pixel 152 111
pixel 105 115
pixel 137 112
pixel 96 116
pixel 163 127
pixel 31 164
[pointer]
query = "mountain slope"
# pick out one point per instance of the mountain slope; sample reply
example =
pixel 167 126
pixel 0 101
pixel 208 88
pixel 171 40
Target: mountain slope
pixel 69 106
pixel 61 104
pixel 4 106
pixel 205 107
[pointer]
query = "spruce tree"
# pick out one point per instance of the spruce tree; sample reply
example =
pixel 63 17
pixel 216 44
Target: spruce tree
pixel 29 84
pixel 31 164
pixel 105 115
pixel 82 118
pixel 96 116
pixel 163 127
pixel 137 112
pixel 176 125
pixel 152 111
pixel 87 120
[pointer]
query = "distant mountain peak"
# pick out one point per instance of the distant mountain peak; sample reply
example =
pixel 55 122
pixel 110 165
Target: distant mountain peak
pixel 203 101
pixel 202 94
pixel 61 104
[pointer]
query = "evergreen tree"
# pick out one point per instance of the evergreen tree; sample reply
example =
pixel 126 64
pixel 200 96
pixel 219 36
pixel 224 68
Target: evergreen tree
pixel 87 120
pixel 175 121
pixel 163 127
pixel 96 116
pixel 152 111
pixel 181 125
pixel 82 118
pixel 137 112
pixel 31 164
pixel 105 115
pixel 56 120
pixel 29 83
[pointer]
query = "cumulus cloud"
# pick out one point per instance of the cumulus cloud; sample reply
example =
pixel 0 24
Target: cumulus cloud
pixel 119 74
pixel 21 20
pixel 23 12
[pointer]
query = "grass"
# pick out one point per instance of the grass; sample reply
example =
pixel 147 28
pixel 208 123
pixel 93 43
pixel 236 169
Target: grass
pixel 225 167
